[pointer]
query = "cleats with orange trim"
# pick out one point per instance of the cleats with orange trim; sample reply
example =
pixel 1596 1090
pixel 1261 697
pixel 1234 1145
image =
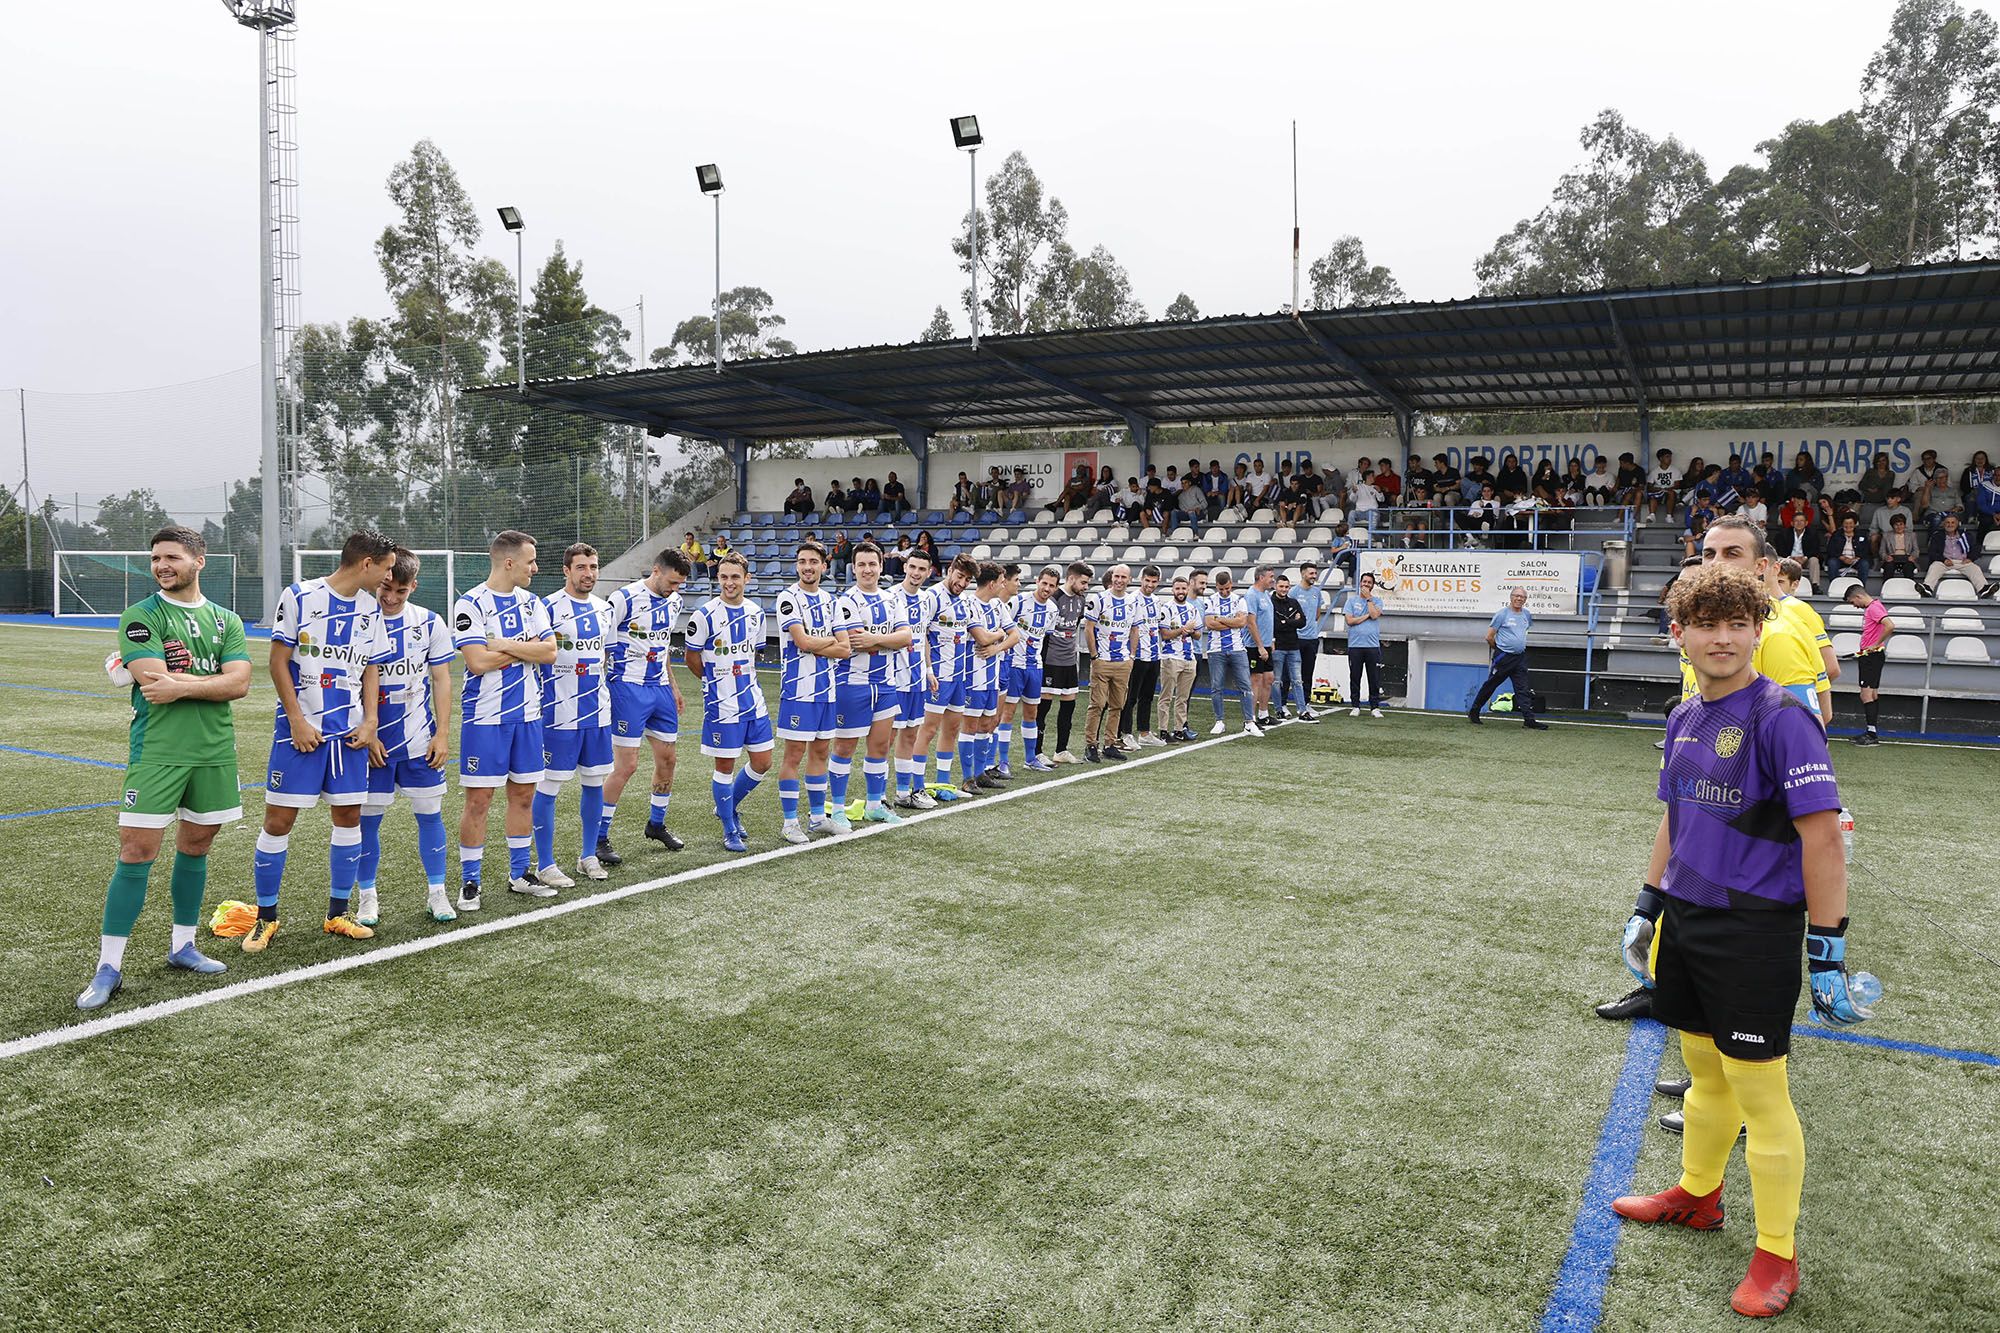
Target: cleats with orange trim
pixel 1768 1287
pixel 260 936
pixel 348 926
pixel 1697 1212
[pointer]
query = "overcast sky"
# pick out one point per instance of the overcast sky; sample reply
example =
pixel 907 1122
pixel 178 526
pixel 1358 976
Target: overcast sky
pixel 128 199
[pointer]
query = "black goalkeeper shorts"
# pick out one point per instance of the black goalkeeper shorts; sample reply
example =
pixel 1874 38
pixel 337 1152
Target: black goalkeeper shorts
pixel 1732 973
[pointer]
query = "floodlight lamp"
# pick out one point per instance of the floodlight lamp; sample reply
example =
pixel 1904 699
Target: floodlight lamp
pixel 710 178
pixel 510 218
pixel 965 131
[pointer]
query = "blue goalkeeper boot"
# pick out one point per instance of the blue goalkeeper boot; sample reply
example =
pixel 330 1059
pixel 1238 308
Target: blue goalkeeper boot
pixel 190 959
pixel 102 987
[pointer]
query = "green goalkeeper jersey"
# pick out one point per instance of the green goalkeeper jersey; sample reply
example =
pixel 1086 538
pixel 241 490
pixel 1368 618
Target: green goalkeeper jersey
pixel 196 640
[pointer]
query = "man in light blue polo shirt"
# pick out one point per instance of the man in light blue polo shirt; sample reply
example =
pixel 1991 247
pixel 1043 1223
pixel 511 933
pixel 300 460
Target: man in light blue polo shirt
pixel 1312 599
pixel 1507 639
pixel 1263 620
pixel 1362 610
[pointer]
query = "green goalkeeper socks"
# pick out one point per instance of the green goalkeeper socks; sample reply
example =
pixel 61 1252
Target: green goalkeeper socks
pixel 190 882
pixel 127 894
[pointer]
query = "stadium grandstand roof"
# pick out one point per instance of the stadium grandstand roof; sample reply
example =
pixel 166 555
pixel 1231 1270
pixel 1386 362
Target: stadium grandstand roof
pixel 1928 331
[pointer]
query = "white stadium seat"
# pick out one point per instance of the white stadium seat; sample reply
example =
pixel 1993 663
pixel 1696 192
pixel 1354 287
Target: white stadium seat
pixel 1149 534
pixel 1309 555
pixel 1118 532
pixel 997 535
pixel 1230 515
pixel 1008 552
pixel 1899 588
pixel 981 551
pixel 1993 565
pixel 1263 516
pixel 1249 536
pixel 1964 648
pixel 1216 536
pixel 1992 542
pixel 1057 534
pixel 1134 555
pixel 1320 536
pixel 1839 587
pixel 1167 554
pixel 1039 554
pixel 1235 555
pixel 1961 622
pixel 1284 536
pixel 1087 533
pixel 1844 620
pixel 1202 555
pixel 1956 590
pixel 1337 579
pixel 1333 516
pixel 1906 649
pixel 1027 535
pixel 1100 553
pixel 1069 555
pixel 1270 555
pixel 1908 619
pixel 1846 645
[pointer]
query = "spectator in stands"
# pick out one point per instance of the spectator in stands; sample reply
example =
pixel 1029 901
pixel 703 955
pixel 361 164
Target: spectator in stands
pixel 835 498
pixel 895 499
pixel 1983 496
pixel 1311 487
pixel 1876 629
pixel 1387 484
pixel 720 548
pixel 1507 641
pixel 1738 475
pixel 1885 519
pixel 1416 472
pixel 1127 505
pixel 1288 632
pixel 993 490
pixel 842 555
pixel 1876 483
pixel 1075 496
pixel 928 545
pixel 1335 490
pixel 1690 479
pixel 1897 551
pixel 1415 513
pixel 1019 489
pixel 1517 518
pixel 1952 552
pixel 697 555
pixel 1940 497
pixel 1239 491
pixel 1847 553
pixel 1215 487
pixel 892 563
pixel 1363 498
pixel 1343 552
pixel 1484 514
pixel 1105 493
pixel 1800 540
pixel 964 495
pixel 1362 610
pixel 1259 487
pixel 1700 514
pixel 1600 487
pixel 1292 508
pixel 1510 476
pixel 1972 473
pixel 1478 473
pixel 1663 486
pixel 1805 477
pixel 1754 508
pixel 1445 481
pixel 1928 470
pixel 1544 475
pixel 1155 505
pixel 1190 505
pixel 1629 481
pixel 800 501
pixel 871 495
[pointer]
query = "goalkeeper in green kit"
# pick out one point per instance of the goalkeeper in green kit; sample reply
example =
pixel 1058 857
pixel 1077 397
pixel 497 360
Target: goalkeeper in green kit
pixel 187 660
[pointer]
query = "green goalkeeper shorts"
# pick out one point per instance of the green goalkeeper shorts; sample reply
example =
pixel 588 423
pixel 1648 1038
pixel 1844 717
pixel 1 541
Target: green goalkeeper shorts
pixel 155 794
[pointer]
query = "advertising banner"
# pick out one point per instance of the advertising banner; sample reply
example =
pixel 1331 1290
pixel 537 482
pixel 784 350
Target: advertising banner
pixel 1474 581
pixel 1329 682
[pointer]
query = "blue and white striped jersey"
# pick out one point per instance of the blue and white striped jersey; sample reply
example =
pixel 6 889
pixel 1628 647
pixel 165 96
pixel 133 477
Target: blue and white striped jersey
pixel 334 640
pixel 996 616
pixel 1116 615
pixel 574 692
pixel 1146 630
pixel 642 635
pixel 877 612
pixel 1179 615
pixel 509 694
pixel 418 641
pixel 950 644
pixel 807 677
pixel 918 609
pixel 728 638
pixel 901 671
pixel 1228 640
pixel 1034 619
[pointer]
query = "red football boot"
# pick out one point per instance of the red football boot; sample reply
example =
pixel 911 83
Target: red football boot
pixel 1699 1212
pixel 1769 1285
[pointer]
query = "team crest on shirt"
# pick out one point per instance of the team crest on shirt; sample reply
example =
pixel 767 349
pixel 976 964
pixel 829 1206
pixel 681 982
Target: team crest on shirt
pixel 472 763
pixel 1728 741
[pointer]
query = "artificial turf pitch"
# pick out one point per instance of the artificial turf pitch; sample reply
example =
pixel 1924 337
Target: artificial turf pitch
pixel 1286 1034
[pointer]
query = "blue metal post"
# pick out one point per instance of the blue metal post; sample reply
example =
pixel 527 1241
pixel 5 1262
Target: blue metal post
pixel 919 444
pixel 739 458
pixel 1140 432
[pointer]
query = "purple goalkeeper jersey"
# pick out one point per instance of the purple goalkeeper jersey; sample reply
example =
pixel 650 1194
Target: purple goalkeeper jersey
pixel 1737 772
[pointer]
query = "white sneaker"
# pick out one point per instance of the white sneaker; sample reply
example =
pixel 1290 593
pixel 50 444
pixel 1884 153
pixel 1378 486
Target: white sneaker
pixel 819 824
pixel 1309 715
pixel 1374 712
pixel 552 877
pixel 468 902
pixel 592 868
pixel 791 832
pixel 1062 757
pixel 1356 712
pixel 366 911
pixel 531 886
pixel 1215 730
pixel 439 903
pixel 923 800
pixel 1128 742
pixel 1151 741
pixel 1253 729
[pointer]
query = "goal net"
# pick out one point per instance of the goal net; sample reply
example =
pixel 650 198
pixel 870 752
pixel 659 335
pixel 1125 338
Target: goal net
pixel 104 583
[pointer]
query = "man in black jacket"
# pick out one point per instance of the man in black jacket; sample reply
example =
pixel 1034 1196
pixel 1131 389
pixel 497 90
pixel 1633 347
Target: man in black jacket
pixel 1288 625
pixel 1801 542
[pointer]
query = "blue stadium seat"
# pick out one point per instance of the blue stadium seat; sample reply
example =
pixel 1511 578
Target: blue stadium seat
pixel 1016 516
pixel 766 520
pixel 934 517
pixel 744 518
pixel 989 517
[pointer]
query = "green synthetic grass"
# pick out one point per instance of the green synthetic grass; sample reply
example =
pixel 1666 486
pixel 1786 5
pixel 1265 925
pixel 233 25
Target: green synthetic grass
pixel 1287 1034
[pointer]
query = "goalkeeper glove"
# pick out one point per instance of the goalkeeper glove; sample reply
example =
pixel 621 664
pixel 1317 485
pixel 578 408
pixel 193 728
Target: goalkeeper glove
pixel 1638 942
pixel 1826 958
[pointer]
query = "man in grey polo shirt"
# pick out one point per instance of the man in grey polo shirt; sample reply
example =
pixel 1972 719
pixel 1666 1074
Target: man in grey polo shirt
pixel 1507 640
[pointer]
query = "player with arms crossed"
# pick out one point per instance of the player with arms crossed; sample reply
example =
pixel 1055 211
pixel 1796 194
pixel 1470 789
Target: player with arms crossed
pixel 185 659
pixel 1021 690
pixel 723 635
pixel 809 643
pixel 502 630
pixel 867 693
pixel 411 746
pixel 327 650
pixel 920 605
pixel 576 716
pixel 645 701
pixel 1746 866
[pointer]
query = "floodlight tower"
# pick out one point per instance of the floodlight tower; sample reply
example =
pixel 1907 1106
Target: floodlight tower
pixel 276 24
pixel 965 135
pixel 709 177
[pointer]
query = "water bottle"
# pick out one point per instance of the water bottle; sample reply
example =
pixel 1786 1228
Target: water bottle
pixel 1864 988
pixel 1847 835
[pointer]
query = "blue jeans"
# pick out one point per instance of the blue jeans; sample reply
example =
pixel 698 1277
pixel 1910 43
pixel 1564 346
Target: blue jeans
pixel 1227 672
pixel 1286 687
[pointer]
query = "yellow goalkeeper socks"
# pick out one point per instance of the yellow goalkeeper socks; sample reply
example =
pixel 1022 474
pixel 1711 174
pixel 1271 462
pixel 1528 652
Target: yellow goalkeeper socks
pixel 1713 1117
pixel 1776 1150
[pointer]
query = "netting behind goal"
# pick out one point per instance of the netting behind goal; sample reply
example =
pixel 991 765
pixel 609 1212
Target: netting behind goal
pixel 104 583
pixel 437 579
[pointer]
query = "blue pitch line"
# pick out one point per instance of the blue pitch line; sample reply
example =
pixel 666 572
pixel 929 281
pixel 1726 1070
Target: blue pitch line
pixel 1891 1044
pixel 1578 1299
pixel 101 622
pixel 50 689
pixel 96 805
pixel 67 758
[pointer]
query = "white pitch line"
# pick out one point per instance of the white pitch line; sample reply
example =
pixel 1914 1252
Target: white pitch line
pixel 152 1013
